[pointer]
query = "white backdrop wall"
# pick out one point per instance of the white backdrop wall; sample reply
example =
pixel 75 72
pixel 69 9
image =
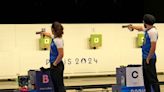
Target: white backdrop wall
pixel 19 49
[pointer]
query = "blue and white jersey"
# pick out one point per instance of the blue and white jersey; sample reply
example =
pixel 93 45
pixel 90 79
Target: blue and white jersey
pixel 55 44
pixel 151 35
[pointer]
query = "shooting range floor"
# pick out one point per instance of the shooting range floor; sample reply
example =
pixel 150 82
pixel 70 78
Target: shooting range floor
pixel 78 82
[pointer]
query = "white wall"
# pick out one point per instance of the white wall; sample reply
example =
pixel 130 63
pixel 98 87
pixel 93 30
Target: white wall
pixel 19 49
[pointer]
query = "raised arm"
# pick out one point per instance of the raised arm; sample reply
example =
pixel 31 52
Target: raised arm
pixel 138 28
pixel 47 34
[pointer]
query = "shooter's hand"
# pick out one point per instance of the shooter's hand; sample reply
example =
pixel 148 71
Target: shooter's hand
pixel 130 27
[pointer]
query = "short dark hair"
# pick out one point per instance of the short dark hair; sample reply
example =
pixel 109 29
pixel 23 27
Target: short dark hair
pixel 57 28
pixel 149 19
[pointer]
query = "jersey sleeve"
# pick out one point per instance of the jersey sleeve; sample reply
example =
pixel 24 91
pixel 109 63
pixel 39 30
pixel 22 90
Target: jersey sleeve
pixel 153 36
pixel 59 43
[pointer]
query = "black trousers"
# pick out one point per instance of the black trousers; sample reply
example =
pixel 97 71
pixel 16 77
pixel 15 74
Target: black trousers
pixel 150 76
pixel 56 73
